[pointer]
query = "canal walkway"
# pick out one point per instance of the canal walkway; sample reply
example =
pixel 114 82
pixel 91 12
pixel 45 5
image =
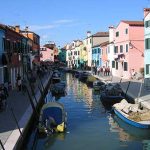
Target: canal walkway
pixel 18 103
pixel 137 89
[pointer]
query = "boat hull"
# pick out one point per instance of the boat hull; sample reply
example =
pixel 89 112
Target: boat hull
pixel 131 122
pixel 110 100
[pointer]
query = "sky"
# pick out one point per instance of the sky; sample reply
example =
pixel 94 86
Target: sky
pixel 62 21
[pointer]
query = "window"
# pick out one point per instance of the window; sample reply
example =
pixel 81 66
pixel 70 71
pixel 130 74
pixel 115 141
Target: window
pixel 97 62
pixel 90 41
pixel 78 53
pixel 98 50
pixel 147 43
pixel 121 48
pixel 126 31
pixel 116 49
pixel 125 66
pixel 126 47
pixel 117 34
pixel 116 65
pixel 4 43
pixel 147 68
pixel 95 51
pixel 108 49
pixel 147 23
pixel 92 51
pixel 113 64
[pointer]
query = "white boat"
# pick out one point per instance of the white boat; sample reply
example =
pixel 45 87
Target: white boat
pixel 132 114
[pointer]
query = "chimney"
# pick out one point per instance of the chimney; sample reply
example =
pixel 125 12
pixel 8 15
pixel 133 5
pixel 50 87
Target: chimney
pixel 17 28
pixel 146 11
pixel 88 33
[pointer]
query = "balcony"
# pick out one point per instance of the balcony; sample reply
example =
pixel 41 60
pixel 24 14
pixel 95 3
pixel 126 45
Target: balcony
pixel 119 57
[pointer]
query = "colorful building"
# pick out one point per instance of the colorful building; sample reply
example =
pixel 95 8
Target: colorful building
pixel 104 53
pixel 83 56
pixel 46 54
pixel 96 56
pixel 2 63
pixel 92 40
pixel 147 42
pixel 128 44
pixel 35 49
pixel 62 55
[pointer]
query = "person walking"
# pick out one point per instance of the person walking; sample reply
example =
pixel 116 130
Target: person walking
pixel 19 82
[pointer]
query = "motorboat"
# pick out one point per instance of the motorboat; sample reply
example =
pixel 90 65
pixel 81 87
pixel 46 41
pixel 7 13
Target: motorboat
pixel 58 88
pixel 52 118
pixel 112 94
pixel 56 76
pixel 132 114
pixel 97 85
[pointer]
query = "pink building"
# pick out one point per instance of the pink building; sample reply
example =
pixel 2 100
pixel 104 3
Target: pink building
pixel 46 54
pixel 128 48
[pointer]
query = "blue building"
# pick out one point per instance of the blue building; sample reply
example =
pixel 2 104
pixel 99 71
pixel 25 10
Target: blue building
pixel 2 37
pixel 62 55
pixel 147 43
pixel 96 56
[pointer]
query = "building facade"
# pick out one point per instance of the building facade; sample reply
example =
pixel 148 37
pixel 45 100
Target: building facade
pixel 46 54
pixel 147 42
pixel 2 63
pixel 128 44
pixel 96 56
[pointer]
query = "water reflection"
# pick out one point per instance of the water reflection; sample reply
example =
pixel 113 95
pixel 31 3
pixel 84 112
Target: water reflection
pixel 90 126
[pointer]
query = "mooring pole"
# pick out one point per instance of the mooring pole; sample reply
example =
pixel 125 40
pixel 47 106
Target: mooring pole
pixel 13 114
pixel 127 88
pixel 2 145
pixel 120 80
pixel 139 94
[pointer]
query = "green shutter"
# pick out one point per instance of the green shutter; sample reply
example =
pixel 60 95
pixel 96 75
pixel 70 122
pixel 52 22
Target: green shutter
pixel 147 69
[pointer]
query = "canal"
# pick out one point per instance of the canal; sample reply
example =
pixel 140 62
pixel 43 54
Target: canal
pixel 90 126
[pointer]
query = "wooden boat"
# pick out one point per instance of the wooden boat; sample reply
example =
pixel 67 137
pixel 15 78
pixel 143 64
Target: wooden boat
pixel 56 77
pixel 90 80
pixel 97 85
pixel 77 74
pixel 52 118
pixel 58 88
pixel 110 99
pixel 131 114
pixel 83 76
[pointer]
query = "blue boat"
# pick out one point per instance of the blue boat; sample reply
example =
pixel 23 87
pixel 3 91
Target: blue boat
pixel 144 124
pixel 52 118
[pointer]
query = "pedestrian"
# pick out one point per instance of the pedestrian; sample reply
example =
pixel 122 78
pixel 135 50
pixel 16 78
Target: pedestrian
pixel 104 70
pixel 9 86
pixel 133 73
pixel 108 71
pixel 19 82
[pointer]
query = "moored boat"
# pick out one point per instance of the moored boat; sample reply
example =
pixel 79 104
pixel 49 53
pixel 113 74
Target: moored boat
pixel 97 85
pixel 52 118
pixel 111 94
pixel 132 114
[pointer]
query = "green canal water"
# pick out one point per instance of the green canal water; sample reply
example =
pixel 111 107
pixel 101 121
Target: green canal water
pixel 90 126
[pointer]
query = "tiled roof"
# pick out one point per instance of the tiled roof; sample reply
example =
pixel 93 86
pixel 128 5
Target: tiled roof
pixel 104 43
pixel 101 34
pixel 134 23
pixel 147 9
